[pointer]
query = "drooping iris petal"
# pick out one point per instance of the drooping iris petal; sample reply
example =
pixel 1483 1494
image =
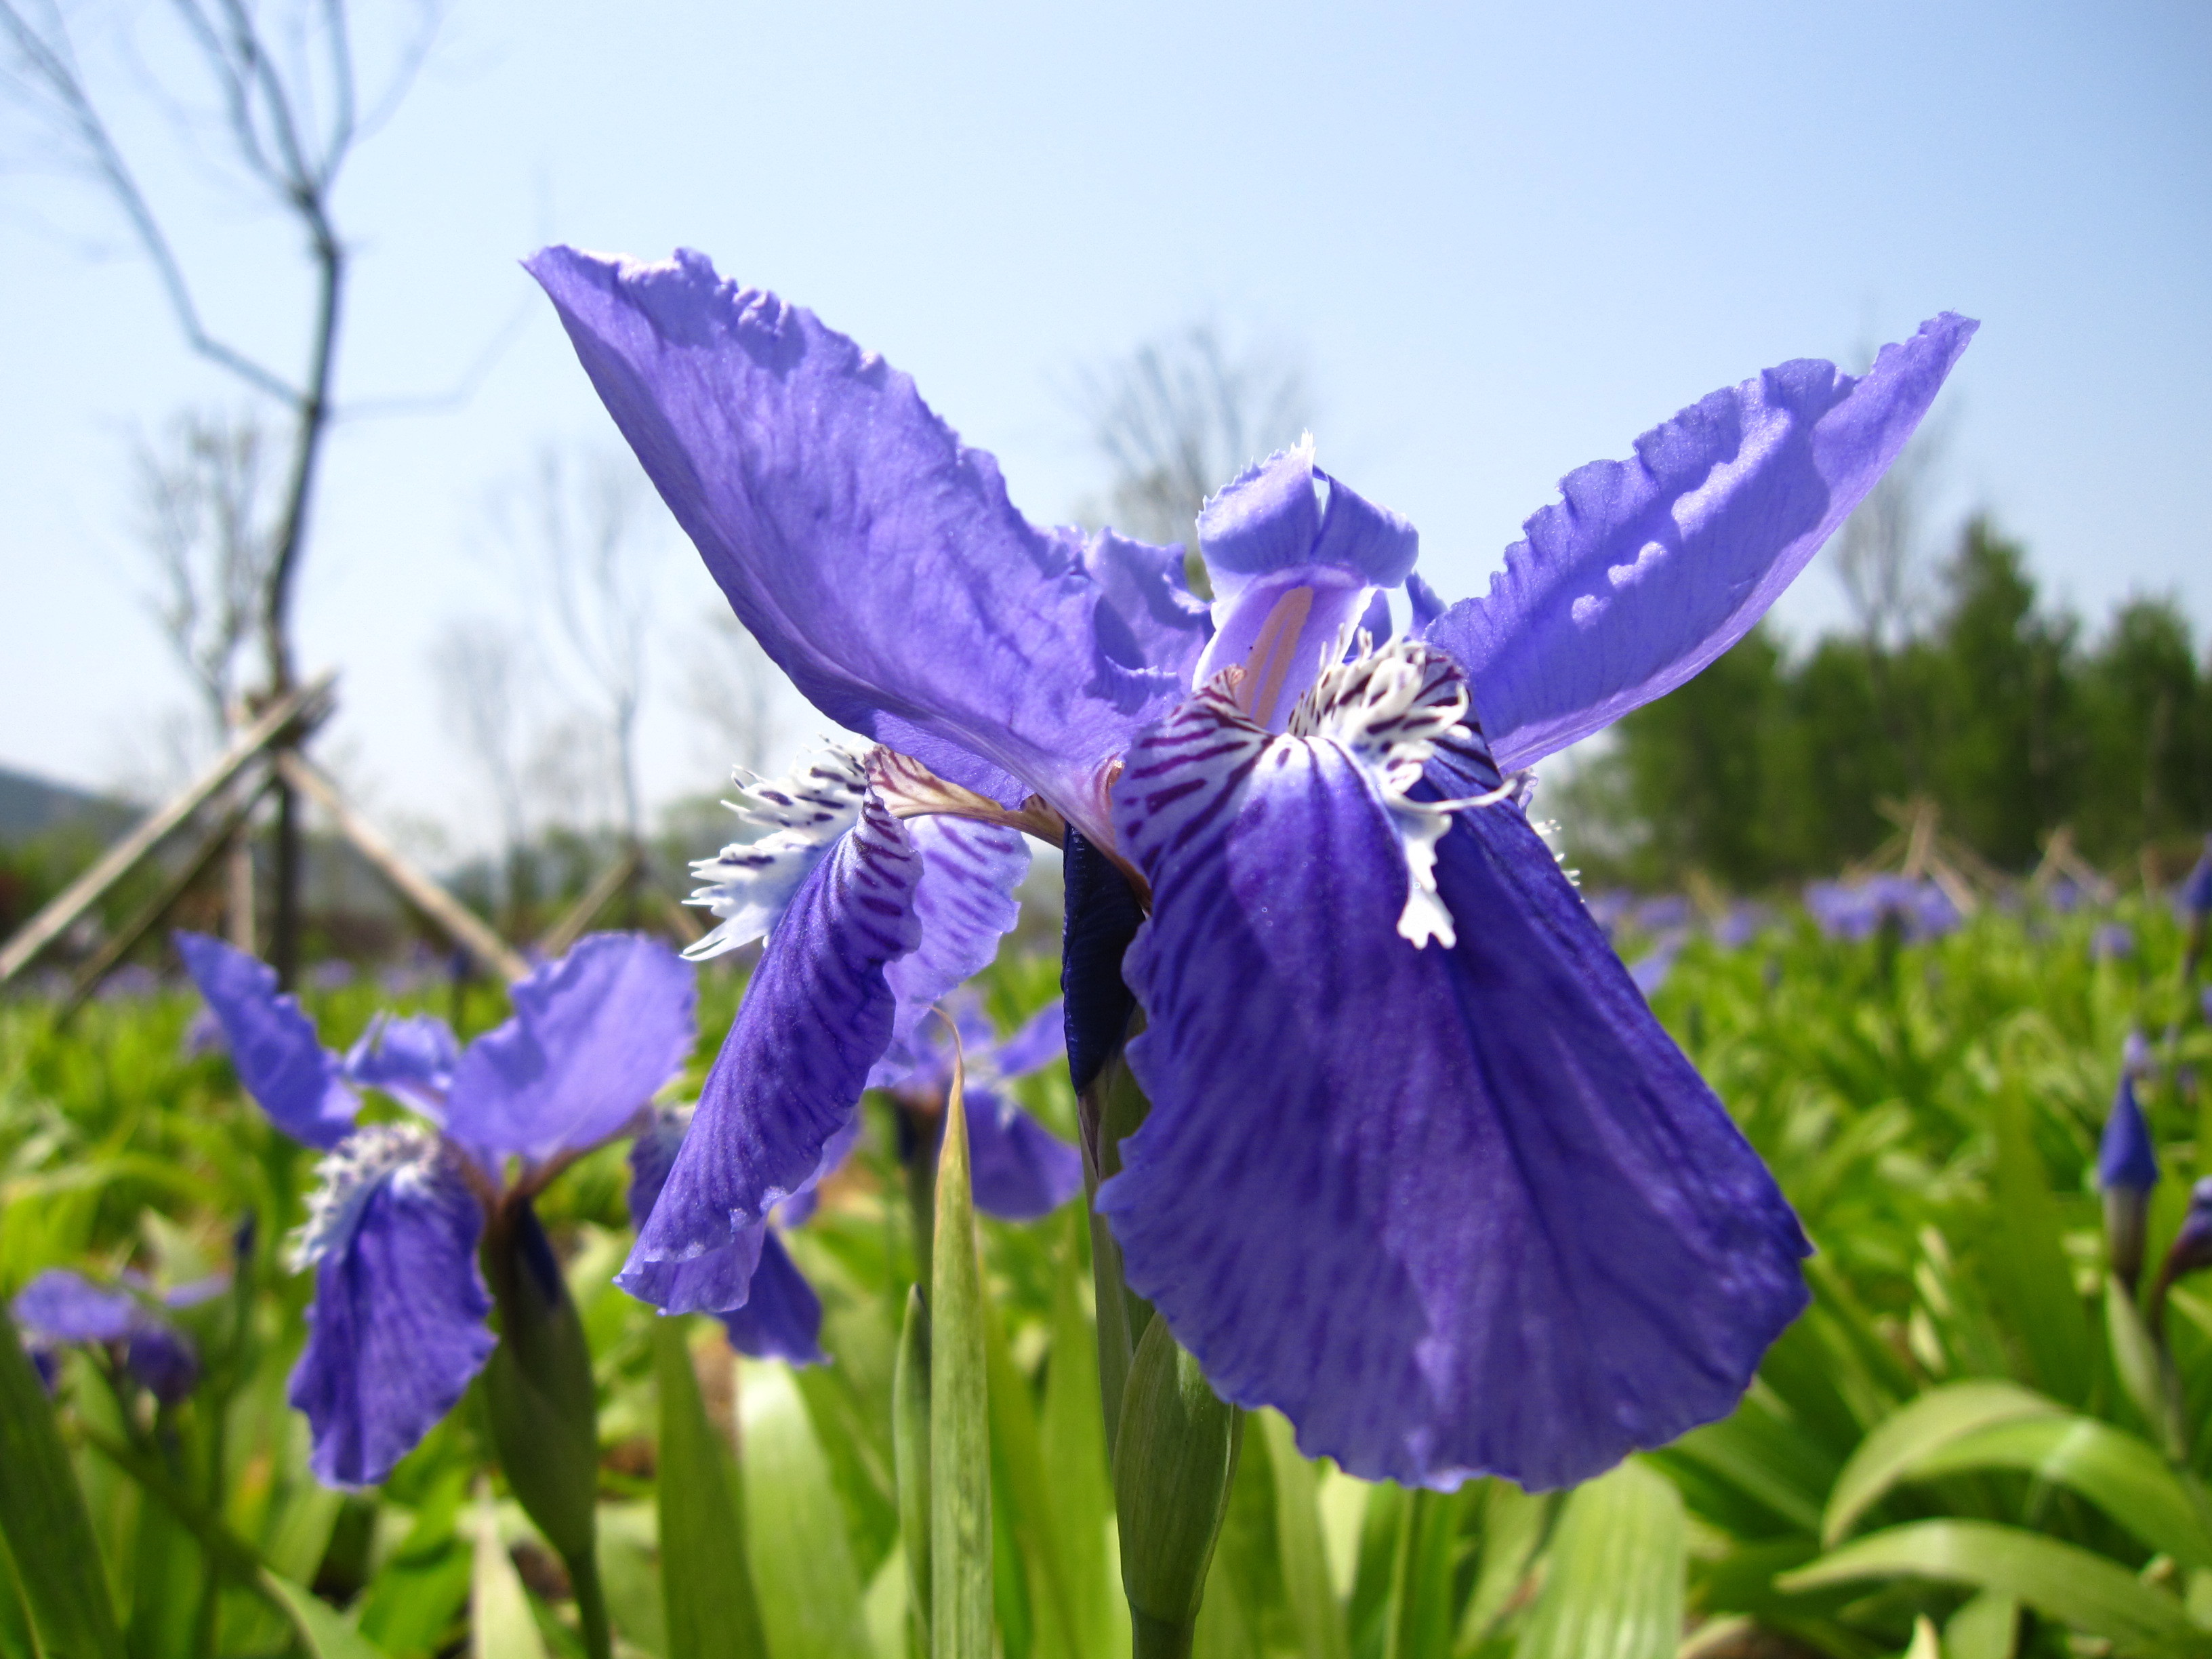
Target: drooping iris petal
pixel 592 1037
pixel 163 1358
pixel 1451 1209
pixel 284 1065
pixel 782 1318
pixel 965 905
pixel 875 559
pixel 397 1327
pixel 1041 1040
pixel 1020 1169
pixel 409 1057
pixel 1650 569
pixel 786 826
pixel 716 1279
pixel 1100 919
pixel 816 1016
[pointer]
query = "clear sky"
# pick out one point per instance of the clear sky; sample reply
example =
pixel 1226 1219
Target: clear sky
pixel 1507 239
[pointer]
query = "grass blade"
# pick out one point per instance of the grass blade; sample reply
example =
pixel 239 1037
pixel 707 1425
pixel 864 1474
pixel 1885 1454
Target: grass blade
pixel 42 1512
pixel 705 1583
pixel 1614 1589
pixel 1916 1430
pixel 2096 1596
pixel 800 1550
pixel 1298 1539
pixel 959 1409
pixel 500 1624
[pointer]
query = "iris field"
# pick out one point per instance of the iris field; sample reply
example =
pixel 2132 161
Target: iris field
pixel 1972 1444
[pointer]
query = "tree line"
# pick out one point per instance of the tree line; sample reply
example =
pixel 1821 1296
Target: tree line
pixel 2003 708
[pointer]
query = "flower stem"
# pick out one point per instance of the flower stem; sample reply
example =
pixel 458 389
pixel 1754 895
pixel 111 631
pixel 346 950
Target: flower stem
pixel 591 1607
pixel 1159 1638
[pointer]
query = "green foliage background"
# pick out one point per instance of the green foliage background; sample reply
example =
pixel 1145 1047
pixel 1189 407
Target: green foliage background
pixel 1963 1429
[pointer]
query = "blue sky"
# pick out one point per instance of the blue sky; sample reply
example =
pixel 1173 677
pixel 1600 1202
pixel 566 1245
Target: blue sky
pixel 1506 240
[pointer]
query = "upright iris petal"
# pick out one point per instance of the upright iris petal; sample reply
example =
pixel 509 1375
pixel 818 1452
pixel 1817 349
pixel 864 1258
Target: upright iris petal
pixel 875 558
pixel 1649 570
pixel 592 1037
pixel 409 1057
pixel 1454 1207
pixel 397 1327
pixel 284 1065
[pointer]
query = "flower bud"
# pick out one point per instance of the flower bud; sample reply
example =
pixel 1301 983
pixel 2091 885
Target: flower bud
pixel 1174 1460
pixel 2127 1170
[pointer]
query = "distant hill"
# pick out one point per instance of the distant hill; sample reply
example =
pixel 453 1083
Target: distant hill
pixel 32 805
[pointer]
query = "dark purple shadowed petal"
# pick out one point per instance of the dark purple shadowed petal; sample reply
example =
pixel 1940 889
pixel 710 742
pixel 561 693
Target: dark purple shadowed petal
pixel 397 1327
pixel 62 1306
pixel 2127 1158
pixel 1021 1169
pixel 965 906
pixel 273 1046
pixel 1100 919
pixel 163 1358
pixel 593 1035
pixel 782 1318
pixel 816 1016
pixel 1041 1040
pixel 409 1057
pixel 875 559
pixel 1505 1226
pixel 1650 569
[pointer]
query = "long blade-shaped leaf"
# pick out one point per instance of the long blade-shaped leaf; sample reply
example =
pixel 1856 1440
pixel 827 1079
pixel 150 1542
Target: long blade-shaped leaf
pixel 1075 1461
pixel 705 1582
pixel 798 1548
pixel 500 1623
pixel 1614 1589
pixel 2096 1596
pixel 1914 1430
pixel 42 1512
pixel 1298 1539
pixel 910 1456
pixel 959 1409
pixel 323 1630
pixel 2113 1469
pixel 2028 1270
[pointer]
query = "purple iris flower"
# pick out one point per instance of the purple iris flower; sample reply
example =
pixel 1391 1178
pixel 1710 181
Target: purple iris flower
pixel 2195 896
pixel 1649 971
pixel 60 1306
pixel 1019 1169
pixel 1919 910
pixel 397 1327
pixel 2111 942
pixel 1742 924
pixel 1420 1169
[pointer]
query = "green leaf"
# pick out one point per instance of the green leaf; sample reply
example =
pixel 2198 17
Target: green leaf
pixel 1174 1462
pixel 1613 1590
pixel 1923 1644
pixel 2027 1267
pixel 1314 1605
pixel 2113 1469
pixel 1075 1465
pixel 417 1595
pixel 705 1582
pixel 43 1516
pixel 911 1452
pixel 1018 1457
pixel 1420 1619
pixel 1985 1628
pixel 959 1411
pixel 1914 1430
pixel 2096 1596
pixel 799 1550
pixel 2144 1369
pixel 1513 1525
pixel 326 1633
pixel 500 1624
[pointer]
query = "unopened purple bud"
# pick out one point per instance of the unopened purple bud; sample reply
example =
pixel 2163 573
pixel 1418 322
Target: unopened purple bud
pixel 2192 1245
pixel 2127 1170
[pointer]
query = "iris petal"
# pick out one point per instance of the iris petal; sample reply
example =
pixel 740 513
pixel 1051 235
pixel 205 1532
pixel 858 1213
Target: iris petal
pixel 1020 1169
pixel 782 1318
pixel 397 1327
pixel 282 1063
pixel 1041 1040
pixel 63 1306
pixel 875 558
pixel 965 905
pixel 409 1057
pixel 1650 569
pixel 592 1037
pixel 816 1016
pixel 1507 1228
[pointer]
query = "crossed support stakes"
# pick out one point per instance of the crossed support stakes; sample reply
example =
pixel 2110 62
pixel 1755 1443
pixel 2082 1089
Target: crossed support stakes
pixel 267 750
